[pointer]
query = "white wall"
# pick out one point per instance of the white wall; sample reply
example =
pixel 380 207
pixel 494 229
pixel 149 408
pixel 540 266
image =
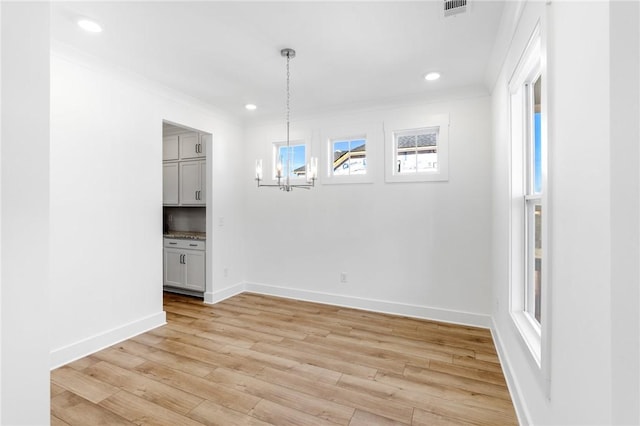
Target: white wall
pixel 593 322
pixel 24 197
pixel 624 21
pixel 106 202
pixel 412 248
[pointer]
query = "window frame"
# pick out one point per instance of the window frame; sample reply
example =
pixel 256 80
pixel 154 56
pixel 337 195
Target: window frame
pixel 392 129
pixel 524 199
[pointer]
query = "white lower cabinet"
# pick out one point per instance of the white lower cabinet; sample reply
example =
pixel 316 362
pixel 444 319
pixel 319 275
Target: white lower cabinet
pixel 184 264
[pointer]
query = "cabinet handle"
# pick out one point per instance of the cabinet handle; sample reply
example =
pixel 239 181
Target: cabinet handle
pixel 193 245
pixel 173 243
pixel 184 259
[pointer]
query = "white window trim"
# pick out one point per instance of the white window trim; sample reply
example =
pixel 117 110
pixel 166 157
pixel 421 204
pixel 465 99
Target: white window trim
pixel 274 159
pixel 368 131
pixel 534 335
pixel 391 128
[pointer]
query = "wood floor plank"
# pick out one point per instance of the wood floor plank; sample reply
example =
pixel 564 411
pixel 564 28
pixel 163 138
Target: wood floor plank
pixel 315 359
pixel 426 418
pixel 82 363
pixel 199 387
pixel 281 395
pixel 159 393
pixel 118 357
pixel 178 361
pixel 142 412
pixel 82 384
pixel 281 415
pixel 211 414
pixel 362 400
pixel 77 411
pixel 472 385
pixel 56 390
pixel 440 390
pixel 263 360
pixel 364 418
pixel 54 421
pixel 468 372
pixel 473 362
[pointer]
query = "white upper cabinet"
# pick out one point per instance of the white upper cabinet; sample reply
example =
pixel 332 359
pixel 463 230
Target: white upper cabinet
pixel 191 146
pixel 192 183
pixel 170 149
pixel 184 169
pixel 170 187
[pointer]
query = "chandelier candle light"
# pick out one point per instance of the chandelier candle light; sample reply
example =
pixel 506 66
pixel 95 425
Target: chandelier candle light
pixel 311 170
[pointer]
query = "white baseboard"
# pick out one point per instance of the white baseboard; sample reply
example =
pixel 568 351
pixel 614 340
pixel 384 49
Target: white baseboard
pixel 67 354
pixel 512 383
pixel 225 293
pixel 415 311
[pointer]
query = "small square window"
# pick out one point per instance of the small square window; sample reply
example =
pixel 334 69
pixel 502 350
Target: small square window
pixel 417 153
pixel 289 161
pixel 350 153
pixel 417 150
pixel 349 157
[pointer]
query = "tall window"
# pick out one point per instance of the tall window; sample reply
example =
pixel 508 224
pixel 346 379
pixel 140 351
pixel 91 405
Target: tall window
pixel 533 201
pixel 291 161
pixel 528 181
pixel 349 156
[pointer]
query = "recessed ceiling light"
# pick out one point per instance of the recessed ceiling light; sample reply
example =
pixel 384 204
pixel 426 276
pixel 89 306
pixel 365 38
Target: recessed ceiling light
pixel 90 26
pixel 250 107
pixel 432 76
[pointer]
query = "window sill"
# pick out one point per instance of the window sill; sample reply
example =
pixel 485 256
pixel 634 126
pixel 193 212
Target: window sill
pixel 530 333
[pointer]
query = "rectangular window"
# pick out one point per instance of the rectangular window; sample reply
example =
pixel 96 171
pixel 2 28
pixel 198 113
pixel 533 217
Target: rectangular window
pixel 289 161
pixel 533 202
pixel 349 156
pixel 416 150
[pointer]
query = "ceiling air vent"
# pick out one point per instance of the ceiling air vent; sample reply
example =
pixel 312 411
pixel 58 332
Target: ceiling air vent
pixel 454 7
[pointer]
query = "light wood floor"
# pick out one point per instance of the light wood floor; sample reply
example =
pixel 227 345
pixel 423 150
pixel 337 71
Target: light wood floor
pixel 258 360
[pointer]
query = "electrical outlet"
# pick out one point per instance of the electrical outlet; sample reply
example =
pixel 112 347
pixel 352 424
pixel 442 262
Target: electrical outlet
pixel 343 277
pixel 226 272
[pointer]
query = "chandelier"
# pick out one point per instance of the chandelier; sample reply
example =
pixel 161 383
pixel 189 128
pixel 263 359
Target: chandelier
pixel 310 170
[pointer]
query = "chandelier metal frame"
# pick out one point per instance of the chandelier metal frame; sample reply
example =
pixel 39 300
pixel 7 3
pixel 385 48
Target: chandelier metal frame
pixel 311 170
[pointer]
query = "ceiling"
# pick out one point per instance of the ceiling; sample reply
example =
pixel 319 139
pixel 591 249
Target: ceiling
pixel 227 54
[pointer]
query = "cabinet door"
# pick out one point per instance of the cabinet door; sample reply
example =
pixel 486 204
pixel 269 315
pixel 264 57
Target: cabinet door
pixel 190 183
pixel 190 146
pixel 170 184
pixel 170 148
pixel 203 181
pixel 194 270
pixel 173 268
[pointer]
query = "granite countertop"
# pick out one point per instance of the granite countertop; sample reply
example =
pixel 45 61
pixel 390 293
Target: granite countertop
pixel 186 235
